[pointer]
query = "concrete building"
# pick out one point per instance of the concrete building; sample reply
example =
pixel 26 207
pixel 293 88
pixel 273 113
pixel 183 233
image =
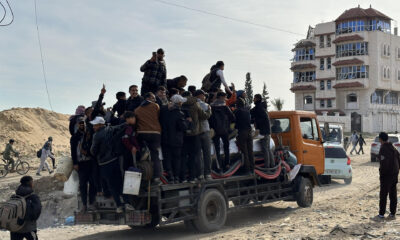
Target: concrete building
pixel 348 71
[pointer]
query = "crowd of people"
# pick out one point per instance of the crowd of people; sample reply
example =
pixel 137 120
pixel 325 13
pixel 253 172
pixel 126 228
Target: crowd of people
pixel 181 124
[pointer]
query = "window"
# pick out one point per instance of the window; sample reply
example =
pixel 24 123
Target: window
pixel 303 77
pixel 351 72
pixel 377 97
pixel 322 85
pixel 328 41
pixel 391 98
pixel 352 49
pixel 329 103
pixel 398 75
pixel 361 25
pixel 333 152
pixel 351 98
pixel 321 41
pixel 322 103
pixel 304 54
pixel 386 72
pixel 398 53
pixel 329 84
pixel 386 50
pixel 307 100
pixel 280 125
pixel 321 64
pixel 328 63
pixel 309 128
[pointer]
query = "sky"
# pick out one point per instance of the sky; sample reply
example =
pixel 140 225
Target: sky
pixel 88 43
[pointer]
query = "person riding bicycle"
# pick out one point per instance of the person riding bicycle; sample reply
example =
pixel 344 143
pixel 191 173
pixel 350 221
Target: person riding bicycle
pixel 7 154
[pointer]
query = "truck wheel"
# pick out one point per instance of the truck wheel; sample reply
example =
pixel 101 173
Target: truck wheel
pixel 348 180
pixel 305 195
pixel 212 211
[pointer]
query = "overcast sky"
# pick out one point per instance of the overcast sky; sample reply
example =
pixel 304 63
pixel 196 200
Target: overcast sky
pixel 88 43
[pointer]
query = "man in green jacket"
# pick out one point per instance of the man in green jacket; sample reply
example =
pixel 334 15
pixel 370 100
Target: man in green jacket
pixel 7 154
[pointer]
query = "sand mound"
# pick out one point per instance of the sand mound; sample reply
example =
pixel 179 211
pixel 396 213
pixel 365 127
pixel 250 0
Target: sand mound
pixel 30 127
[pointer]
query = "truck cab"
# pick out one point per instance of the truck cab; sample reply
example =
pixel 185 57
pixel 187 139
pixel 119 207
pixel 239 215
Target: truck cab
pixel 300 133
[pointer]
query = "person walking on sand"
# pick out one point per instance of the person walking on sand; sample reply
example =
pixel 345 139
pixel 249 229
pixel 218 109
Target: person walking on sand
pixel 389 162
pixel 361 142
pixel 354 141
pixel 46 152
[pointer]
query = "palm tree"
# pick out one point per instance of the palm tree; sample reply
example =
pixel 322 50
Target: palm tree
pixel 278 103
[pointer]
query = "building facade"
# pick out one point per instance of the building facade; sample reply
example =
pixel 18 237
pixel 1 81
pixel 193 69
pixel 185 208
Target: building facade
pixel 348 71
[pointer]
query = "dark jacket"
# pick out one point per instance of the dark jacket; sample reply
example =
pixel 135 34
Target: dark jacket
pixel 73 123
pixel 389 160
pixel 106 143
pixel 163 118
pixel 260 118
pixel 77 141
pixel 361 141
pixel 214 78
pixel 173 83
pixel 192 109
pixel 129 139
pixel 155 74
pixel 221 118
pixel 33 208
pixel 119 107
pixel 97 109
pixel 176 127
pixel 133 103
pixel 243 119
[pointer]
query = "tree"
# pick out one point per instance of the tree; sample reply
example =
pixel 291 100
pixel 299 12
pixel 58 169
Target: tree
pixel 278 103
pixel 248 88
pixel 265 95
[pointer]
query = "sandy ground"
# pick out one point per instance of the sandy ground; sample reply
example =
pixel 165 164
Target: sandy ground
pixel 339 211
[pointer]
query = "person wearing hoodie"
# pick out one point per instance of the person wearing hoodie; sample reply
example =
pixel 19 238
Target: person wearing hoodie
pixel 134 99
pixel 79 112
pixel 149 131
pixel 260 118
pixel 220 121
pixel 242 94
pixel 175 131
pixel 84 165
pixel 192 148
pixel 389 162
pixel 46 152
pixel 205 138
pixel 33 211
pixel 244 138
pixel 120 106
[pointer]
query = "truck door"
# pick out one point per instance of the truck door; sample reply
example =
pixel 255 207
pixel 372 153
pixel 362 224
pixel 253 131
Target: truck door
pixel 313 150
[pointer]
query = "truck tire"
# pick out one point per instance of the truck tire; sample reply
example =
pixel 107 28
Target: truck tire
pixel 212 211
pixel 305 195
pixel 348 180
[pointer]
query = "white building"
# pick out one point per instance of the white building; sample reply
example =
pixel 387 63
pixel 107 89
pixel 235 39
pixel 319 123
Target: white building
pixel 348 71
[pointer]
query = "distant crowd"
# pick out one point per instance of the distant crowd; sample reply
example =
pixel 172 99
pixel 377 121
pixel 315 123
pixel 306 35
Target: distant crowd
pixel 182 124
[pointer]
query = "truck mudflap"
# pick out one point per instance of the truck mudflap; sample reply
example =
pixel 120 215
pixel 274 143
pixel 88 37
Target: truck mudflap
pixel 131 218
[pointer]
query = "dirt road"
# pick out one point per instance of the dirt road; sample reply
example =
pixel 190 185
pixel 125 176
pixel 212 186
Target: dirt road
pixel 339 211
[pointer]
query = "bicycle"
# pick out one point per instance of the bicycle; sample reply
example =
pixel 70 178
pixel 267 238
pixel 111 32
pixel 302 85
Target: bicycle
pixel 21 167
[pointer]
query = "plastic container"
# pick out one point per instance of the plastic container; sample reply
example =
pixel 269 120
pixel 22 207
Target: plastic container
pixel 132 182
pixel 72 185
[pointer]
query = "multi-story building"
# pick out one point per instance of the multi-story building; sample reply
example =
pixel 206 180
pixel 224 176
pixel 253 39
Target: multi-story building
pixel 348 71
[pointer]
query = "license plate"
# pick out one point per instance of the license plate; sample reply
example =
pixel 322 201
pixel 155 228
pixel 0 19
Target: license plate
pixel 330 171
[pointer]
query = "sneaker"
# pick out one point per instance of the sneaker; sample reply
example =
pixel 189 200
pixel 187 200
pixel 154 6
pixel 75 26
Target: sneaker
pixel 119 210
pixel 157 182
pixel 91 208
pixel 201 178
pixel 209 177
pixel 129 207
pixel 51 172
pixel 392 216
pixel 38 174
pixel 185 181
pixel 195 180
pixel 378 218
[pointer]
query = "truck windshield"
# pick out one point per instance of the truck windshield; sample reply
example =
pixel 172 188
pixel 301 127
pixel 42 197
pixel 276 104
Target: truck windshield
pixel 280 125
pixel 335 134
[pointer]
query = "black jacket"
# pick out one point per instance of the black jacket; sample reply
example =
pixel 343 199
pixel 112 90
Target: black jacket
pixel 173 83
pixel 107 143
pixel 133 103
pixel 119 107
pixel 388 159
pixel 33 208
pixel 175 127
pixel 163 119
pixel 97 109
pixel 221 118
pixel 243 119
pixel 260 118
pixel 73 123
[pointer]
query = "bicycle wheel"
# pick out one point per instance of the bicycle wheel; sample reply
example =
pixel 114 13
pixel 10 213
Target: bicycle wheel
pixel 3 170
pixel 22 168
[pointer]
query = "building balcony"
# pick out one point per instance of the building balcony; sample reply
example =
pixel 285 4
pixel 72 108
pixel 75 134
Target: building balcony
pixel 359 83
pixel 303 86
pixel 303 65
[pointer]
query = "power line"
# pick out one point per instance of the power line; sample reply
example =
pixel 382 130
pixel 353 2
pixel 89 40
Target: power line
pixel 229 18
pixel 41 57
pixel 5 13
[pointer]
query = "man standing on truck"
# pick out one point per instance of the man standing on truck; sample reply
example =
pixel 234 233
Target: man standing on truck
pixel 105 146
pixel 155 73
pixel 7 154
pixel 33 211
pixel 149 131
pixel 244 138
pixel 389 162
pixel 46 152
pixel 261 122
pixel 134 100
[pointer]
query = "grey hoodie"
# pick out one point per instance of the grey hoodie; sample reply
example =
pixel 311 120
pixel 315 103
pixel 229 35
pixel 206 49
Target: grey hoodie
pixel 204 125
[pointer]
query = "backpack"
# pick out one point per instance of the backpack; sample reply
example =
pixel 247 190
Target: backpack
pixel 39 153
pixel 206 83
pixel 12 213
